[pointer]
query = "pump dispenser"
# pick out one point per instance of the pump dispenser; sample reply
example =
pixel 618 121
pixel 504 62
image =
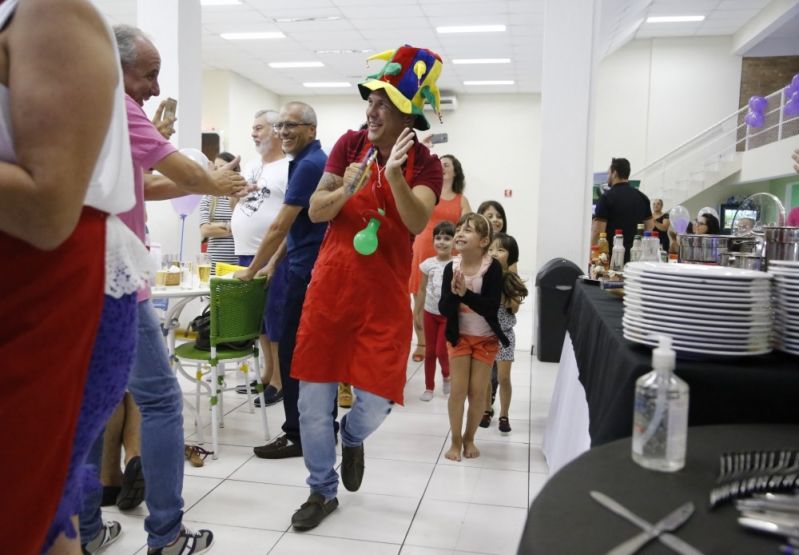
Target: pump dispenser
pixel 660 419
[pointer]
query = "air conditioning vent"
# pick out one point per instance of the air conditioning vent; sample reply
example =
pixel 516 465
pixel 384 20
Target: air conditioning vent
pixel 449 103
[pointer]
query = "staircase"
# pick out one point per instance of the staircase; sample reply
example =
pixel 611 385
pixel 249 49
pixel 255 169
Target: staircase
pixel 714 154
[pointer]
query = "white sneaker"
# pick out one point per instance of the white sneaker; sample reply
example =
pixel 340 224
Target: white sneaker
pixel 427 395
pixel 447 386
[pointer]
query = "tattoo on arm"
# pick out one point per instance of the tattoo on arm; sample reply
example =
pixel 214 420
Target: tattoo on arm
pixel 329 182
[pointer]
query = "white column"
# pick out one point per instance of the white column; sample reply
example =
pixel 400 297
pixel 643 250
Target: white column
pixel 174 26
pixel 564 199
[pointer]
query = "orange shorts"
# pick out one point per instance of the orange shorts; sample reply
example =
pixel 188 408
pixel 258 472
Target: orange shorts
pixel 482 348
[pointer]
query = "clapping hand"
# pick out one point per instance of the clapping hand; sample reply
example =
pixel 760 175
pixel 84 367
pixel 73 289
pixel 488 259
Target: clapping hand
pixel 399 152
pixel 352 179
pixel 458 283
pixel 231 183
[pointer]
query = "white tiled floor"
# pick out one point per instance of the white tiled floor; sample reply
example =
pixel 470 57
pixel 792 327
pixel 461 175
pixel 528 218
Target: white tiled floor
pixel 412 501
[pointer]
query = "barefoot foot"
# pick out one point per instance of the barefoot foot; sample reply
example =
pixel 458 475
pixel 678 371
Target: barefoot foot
pixel 454 453
pixel 470 450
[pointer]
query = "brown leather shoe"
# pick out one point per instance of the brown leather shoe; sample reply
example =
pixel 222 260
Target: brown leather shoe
pixel 344 395
pixel 313 511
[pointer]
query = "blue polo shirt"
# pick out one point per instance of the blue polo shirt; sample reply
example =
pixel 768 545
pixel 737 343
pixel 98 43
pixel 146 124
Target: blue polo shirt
pixel 305 237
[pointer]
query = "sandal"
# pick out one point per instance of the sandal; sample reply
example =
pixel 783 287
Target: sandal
pixel 485 421
pixel 196 455
pixel 418 354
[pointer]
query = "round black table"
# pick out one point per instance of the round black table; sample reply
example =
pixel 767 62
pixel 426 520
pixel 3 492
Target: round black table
pixel 564 519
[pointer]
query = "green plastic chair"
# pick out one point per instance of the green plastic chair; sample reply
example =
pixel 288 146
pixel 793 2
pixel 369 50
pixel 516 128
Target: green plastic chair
pixel 237 309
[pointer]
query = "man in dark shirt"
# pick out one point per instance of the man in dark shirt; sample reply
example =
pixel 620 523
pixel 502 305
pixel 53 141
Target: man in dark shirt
pixel 297 130
pixel 621 207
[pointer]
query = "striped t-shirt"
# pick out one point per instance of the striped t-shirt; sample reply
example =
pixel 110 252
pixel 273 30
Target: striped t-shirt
pixel 217 210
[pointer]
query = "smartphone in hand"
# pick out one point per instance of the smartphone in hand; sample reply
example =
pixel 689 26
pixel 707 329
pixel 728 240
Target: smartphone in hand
pixel 438 138
pixel 170 108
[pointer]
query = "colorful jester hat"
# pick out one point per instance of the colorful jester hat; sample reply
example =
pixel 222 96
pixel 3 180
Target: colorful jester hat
pixel 409 79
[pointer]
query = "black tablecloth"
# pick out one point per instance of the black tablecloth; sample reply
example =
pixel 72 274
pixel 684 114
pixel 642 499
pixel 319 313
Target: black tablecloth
pixel 563 519
pixel 724 390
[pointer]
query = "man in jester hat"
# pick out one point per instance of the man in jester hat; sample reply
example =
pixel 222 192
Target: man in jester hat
pixel 356 321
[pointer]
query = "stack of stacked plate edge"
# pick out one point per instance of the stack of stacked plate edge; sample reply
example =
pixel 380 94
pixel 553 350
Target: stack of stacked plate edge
pixel 785 287
pixel 707 310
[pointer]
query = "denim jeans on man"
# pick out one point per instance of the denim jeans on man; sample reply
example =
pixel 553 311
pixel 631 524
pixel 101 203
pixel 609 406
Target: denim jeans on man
pixel 316 427
pixel 156 391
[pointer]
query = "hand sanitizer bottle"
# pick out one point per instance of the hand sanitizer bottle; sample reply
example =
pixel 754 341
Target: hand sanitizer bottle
pixel 660 420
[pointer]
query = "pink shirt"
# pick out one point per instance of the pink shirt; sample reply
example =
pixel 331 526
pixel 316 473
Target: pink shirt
pixel 147 148
pixel 793 217
pixel 469 322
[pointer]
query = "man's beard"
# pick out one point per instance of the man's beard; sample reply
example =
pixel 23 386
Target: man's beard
pixel 262 148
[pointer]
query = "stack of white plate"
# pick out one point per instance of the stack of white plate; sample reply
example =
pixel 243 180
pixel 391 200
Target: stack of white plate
pixel 709 310
pixel 786 305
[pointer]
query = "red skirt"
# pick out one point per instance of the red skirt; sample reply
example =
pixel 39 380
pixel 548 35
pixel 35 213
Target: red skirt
pixel 50 308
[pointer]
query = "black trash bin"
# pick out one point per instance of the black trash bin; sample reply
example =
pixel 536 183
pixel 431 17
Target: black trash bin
pixel 554 283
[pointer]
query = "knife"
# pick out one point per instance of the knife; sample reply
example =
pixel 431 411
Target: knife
pixel 670 540
pixel 672 521
pixel 764 525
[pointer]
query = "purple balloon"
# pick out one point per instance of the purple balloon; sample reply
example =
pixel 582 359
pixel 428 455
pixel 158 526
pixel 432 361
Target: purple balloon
pixel 184 206
pixel 758 104
pixel 755 119
pixel 792 107
pixel 795 82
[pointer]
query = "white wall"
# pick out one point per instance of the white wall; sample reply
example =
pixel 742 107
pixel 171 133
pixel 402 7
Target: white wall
pixel 655 94
pixel 495 137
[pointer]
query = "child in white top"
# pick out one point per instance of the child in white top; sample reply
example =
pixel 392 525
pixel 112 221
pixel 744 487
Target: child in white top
pixel 434 323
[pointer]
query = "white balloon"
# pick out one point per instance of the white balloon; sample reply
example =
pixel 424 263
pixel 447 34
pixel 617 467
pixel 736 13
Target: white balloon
pixel 196 156
pixel 679 218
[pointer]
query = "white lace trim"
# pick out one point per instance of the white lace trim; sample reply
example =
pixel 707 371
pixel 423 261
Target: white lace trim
pixel 128 264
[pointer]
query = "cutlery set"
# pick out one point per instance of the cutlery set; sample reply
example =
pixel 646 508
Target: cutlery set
pixel 660 530
pixel 746 473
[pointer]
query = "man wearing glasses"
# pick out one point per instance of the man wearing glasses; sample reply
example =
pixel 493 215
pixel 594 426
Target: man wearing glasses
pixel 251 219
pixel 296 127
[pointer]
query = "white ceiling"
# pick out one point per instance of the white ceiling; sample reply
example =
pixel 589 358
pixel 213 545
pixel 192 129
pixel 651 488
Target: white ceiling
pixel 378 25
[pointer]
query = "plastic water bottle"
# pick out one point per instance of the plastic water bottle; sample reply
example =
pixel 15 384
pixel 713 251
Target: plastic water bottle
pixel 635 250
pixel 649 248
pixel 617 256
pixel 660 418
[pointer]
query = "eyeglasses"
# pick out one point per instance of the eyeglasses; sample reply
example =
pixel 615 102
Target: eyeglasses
pixel 288 125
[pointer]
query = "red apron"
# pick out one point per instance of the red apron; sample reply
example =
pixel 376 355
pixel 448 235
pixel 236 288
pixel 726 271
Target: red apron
pixel 356 321
pixel 50 309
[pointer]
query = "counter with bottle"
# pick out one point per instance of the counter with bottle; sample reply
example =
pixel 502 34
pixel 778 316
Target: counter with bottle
pixel 593 399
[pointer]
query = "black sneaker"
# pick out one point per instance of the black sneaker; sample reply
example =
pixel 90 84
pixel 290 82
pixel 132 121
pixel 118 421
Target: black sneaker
pixel 485 421
pixel 280 448
pixel 352 467
pixel 313 511
pixel 107 535
pixel 132 492
pixel 188 543
pixel 271 395
pixel 242 389
pixel 504 425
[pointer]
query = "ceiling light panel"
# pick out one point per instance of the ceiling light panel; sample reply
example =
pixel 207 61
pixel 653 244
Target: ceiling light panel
pixel 675 18
pixel 253 35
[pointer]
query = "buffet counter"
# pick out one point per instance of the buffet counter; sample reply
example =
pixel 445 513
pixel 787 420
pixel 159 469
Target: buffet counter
pixel 596 380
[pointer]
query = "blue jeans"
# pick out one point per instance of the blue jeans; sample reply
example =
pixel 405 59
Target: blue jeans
pixel 155 389
pixel 316 426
